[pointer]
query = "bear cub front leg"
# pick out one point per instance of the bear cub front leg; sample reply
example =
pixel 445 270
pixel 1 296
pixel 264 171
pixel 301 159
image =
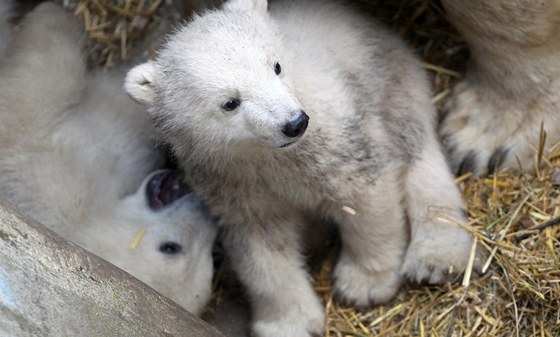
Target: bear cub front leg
pixel 272 268
pixel 374 242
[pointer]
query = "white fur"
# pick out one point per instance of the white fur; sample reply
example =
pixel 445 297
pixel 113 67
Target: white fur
pixel 368 159
pixel 259 6
pixel 76 154
pixel 138 82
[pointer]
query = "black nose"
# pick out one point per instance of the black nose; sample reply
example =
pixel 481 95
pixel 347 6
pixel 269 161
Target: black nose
pixel 296 127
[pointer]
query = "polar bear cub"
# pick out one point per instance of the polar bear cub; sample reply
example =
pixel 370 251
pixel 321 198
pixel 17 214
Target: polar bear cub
pixel 307 109
pixel 78 155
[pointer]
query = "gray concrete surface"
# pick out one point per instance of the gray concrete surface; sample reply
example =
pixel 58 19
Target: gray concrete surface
pixel 50 287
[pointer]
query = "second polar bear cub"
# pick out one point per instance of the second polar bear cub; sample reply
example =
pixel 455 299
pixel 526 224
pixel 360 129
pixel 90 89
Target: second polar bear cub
pixel 307 109
pixel 79 156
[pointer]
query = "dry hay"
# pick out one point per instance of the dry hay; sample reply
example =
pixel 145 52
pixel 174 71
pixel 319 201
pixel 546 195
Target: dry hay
pixel 513 216
pixel 115 27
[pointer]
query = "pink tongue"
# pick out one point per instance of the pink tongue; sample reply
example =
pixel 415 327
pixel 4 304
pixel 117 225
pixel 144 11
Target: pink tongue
pixel 164 188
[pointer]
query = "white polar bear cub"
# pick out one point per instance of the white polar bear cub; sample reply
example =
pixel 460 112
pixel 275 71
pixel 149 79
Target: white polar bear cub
pixel 77 154
pixel 307 110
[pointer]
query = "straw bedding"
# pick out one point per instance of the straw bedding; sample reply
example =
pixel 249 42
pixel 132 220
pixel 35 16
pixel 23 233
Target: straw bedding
pixel 515 217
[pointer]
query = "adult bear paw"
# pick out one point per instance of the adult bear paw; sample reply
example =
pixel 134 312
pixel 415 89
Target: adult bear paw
pixel 485 130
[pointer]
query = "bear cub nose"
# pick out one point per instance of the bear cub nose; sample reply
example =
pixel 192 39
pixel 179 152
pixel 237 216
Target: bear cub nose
pixel 297 126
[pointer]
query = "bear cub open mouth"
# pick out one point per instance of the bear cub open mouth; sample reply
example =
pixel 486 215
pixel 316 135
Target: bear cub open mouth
pixel 165 188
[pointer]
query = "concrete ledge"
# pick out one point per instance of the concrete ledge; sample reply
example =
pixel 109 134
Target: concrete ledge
pixel 51 287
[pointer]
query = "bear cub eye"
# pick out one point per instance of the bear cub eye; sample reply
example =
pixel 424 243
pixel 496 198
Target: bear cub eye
pixel 170 248
pixel 231 104
pixel 277 68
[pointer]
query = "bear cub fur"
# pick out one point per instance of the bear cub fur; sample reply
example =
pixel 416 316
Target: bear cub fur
pixel 308 109
pixel 78 155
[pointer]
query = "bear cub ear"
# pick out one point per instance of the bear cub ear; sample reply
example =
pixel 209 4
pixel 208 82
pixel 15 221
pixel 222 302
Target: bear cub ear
pixel 259 6
pixel 141 81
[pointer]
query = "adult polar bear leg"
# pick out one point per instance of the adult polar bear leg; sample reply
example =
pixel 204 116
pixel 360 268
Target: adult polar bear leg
pixel 438 243
pixel 512 84
pixel 374 239
pixel 265 252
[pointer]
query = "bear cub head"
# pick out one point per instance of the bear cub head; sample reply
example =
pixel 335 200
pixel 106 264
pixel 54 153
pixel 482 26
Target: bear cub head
pixel 220 81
